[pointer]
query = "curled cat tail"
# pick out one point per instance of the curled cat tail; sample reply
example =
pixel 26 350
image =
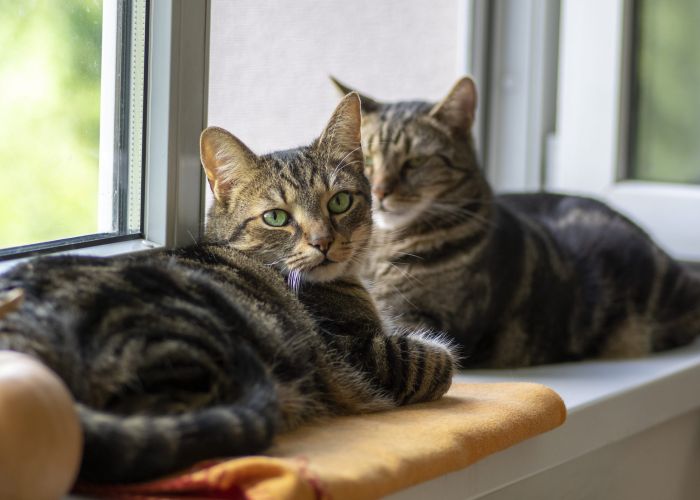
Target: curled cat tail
pixel 124 449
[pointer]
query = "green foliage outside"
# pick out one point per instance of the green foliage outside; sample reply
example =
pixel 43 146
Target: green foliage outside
pixel 50 52
pixel 666 132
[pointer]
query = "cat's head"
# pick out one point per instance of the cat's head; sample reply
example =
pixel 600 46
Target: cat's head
pixel 306 211
pixel 419 155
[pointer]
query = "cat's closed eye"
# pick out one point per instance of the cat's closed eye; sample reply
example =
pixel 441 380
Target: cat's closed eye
pixel 413 163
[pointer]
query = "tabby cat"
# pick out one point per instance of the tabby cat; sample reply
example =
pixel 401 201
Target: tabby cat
pixel 202 352
pixel 518 279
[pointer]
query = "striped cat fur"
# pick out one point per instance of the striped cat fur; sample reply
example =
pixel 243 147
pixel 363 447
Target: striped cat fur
pixel 211 350
pixel 516 280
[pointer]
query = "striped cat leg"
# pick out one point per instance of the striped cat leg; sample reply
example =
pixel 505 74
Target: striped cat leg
pixel 413 367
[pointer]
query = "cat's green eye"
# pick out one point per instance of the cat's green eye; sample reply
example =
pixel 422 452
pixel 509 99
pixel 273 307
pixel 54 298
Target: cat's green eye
pixel 276 217
pixel 340 202
pixel 368 161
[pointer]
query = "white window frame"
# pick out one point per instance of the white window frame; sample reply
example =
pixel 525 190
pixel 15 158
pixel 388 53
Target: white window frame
pixel 512 55
pixel 592 128
pixel 176 115
pixel 521 88
pixel 113 78
pixel 108 96
pixel 177 74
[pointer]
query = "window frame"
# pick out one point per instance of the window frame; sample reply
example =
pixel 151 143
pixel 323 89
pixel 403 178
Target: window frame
pixel 108 97
pixel 176 113
pixel 115 72
pixel 513 46
pixel 593 121
pixel 122 117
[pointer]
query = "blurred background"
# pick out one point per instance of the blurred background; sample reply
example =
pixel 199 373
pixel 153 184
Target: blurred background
pixel 596 97
pixel 50 60
pixel 282 54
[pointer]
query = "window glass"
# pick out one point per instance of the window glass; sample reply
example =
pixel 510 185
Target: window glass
pixel 665 97
pixel 71 101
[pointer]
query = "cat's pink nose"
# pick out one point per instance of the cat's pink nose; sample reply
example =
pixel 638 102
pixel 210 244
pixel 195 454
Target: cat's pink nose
pixel 320 241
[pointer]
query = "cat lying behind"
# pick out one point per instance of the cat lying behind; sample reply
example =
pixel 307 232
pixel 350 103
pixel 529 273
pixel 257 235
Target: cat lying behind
pixel 516 280
pixel 204 352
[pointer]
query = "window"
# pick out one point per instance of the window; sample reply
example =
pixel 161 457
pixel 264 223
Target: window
pixel 627 114
pixel 102 105
pixel 664 97
pixel 517 89
pixel 121 155
pixel 71 91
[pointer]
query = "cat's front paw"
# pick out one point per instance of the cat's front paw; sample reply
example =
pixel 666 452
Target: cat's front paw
pixel 433 359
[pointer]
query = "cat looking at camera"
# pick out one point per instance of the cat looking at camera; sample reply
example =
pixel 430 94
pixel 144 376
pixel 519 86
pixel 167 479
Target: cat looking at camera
pixel 209 351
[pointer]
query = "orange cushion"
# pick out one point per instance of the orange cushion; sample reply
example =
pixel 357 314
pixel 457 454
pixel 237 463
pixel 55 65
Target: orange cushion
pixel 369 456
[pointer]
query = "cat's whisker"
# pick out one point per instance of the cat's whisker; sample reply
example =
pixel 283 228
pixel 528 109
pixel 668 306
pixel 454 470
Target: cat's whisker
pixel 333 177
pixel 457 214
pixel 453 215
pixel 342 164
pixel 406 274
pixel 275 262
pixel 402 295
pixel 291 262
pixel 189 233
pixel 408 254
pixel 348 154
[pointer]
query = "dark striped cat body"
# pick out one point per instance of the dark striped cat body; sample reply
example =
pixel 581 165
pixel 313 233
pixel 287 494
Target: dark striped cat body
pixel 518 279
pixel 203 352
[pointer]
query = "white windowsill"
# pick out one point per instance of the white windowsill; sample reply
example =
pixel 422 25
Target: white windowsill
pixel 607 401
pixel 106 250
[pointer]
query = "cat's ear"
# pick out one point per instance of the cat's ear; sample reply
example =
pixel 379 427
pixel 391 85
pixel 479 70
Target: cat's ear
pixel 458 108
pixel 369 105
pixel 342 134
pixel 224 157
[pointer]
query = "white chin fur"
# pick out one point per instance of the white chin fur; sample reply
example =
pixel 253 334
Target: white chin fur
pixel 326 273
pixel 397 219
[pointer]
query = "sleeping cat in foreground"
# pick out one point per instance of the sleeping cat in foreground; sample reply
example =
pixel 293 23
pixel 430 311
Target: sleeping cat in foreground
pixel 204 352
pixel 518 279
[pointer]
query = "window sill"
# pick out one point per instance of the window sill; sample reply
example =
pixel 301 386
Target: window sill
pixel 121 247
pixel 607 401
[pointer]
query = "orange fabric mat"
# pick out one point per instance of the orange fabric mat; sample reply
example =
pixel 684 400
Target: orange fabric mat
pixel 369 456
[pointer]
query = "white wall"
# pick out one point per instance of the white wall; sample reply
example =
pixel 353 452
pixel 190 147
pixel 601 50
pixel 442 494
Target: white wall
pixel 269 60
